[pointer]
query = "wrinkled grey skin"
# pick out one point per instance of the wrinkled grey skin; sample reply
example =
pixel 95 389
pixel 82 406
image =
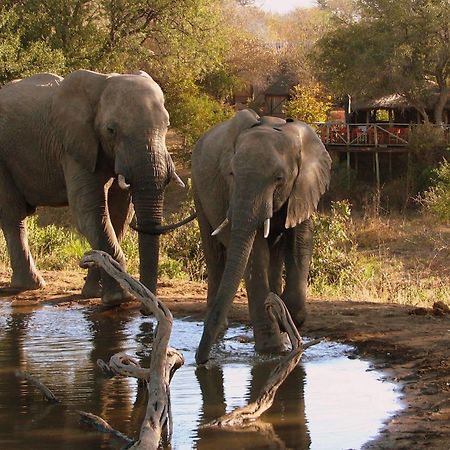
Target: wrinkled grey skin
pixel 250 169
pixel 65 141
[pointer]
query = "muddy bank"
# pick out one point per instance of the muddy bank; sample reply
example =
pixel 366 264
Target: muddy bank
pixel 411 344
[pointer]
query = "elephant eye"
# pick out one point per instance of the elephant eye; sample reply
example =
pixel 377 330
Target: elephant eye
pixel 111 130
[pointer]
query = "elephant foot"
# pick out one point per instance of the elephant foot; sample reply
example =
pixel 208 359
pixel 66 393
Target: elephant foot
pixel 116 297
pixel 269 341
pixel 29 282
pixel 91 290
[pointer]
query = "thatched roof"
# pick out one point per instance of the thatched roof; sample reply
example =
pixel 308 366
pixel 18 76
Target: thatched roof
pixel 394 101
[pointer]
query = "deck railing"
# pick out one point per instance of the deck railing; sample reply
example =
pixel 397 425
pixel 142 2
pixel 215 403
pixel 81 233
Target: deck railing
pixel 367 135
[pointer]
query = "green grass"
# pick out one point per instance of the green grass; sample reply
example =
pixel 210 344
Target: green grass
pixel 390 259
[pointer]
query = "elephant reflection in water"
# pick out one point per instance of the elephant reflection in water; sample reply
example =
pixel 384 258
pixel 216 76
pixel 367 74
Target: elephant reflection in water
pixel 112 398
pixel 282 426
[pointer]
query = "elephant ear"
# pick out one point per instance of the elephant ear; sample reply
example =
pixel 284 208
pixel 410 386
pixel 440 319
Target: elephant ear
pixel 74 108
pixel 313 176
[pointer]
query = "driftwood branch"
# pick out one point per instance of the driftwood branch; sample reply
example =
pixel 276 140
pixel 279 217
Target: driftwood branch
pixel 46 392
pixel 245 415
pixel 102 425
pixel 127 366
pixel 157 417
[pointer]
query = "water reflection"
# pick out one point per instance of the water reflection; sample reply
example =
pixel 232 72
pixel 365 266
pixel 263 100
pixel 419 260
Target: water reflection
pixel 283 426
pixel 60 346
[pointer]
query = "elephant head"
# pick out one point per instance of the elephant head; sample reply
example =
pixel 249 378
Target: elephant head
pixel 118 123
pixel 276 172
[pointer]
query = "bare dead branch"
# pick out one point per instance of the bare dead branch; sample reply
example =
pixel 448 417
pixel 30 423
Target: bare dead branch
pixel 127 366
pixel 102 425
pixel 46 392
pixel 157 417
pixel 245 415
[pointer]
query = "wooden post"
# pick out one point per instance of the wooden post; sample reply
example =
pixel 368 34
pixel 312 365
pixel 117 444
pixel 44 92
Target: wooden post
pixel 377 171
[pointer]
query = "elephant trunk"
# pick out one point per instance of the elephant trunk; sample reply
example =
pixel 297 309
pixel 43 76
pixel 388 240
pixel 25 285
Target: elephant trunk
pixel 148 179
pixel 148 208
pixel 239 249
pixel 250 206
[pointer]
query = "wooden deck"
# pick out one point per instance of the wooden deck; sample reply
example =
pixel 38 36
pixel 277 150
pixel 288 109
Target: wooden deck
pixel 367 137
pixel 379 141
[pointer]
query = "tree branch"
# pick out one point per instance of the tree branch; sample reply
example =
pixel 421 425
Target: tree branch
pixel 157 416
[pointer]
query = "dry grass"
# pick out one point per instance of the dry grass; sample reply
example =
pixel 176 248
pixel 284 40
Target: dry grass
pixel 400 260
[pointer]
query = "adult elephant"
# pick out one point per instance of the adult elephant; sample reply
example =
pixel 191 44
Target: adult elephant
pixel 91 141
pixel 256 182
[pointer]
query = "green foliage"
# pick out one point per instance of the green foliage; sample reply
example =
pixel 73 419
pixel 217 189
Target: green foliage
pixel 308 103
pixel 334 256
pixel 54 247
pixel 436 199
pixel 196 113
pixel 389 47
pixel 19 57
pixel 182 252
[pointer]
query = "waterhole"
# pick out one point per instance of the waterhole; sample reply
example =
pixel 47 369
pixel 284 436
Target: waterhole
pixel 330 401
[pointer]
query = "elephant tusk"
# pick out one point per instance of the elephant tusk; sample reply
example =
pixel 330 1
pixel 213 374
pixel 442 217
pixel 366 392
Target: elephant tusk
pixel 122 183
pixel 266 228
pixel 220 227
pixel 176 179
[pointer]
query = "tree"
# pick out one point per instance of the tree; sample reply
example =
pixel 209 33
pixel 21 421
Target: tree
pixel 18 59
pixel 308 103
pixel 390 47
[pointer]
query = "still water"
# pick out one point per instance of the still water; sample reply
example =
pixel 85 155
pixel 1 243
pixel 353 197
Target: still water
pixel 330 401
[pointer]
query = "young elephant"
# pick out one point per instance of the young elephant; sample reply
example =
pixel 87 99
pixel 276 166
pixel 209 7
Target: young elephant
pixel 92 141
pixel 256 182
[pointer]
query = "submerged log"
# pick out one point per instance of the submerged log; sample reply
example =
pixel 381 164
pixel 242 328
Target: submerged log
pixel 102 425
pixel 246 415
pixel 46 392
pixel 157 417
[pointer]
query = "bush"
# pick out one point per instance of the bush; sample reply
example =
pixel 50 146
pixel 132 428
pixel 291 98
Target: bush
pixel 436 199
pixel 334 254
pixel 308 103
pixel 429 146
pixel 194 114
pixel 181 250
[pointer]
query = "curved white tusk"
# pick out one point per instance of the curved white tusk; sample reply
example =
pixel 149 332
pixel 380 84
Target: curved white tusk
pixel 122 183
pixel 220 227
pixel 266 228
pixel 176 179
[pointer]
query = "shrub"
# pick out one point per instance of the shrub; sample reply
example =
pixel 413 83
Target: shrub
pixel 308 103
pixel 182 252
pixel 334 255
pixel 194 114
pixel 436 199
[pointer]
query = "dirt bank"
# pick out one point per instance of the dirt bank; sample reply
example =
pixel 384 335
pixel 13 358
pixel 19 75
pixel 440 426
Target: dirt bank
pixel 411 344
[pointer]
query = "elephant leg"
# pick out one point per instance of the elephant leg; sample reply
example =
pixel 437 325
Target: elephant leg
pixel 120 213
pixel 267 333
pixel 214 253
pixel 298 255
pixel 13 212
pixel 88 203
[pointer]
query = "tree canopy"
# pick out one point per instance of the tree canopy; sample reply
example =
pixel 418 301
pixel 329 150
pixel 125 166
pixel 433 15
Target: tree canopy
pixel 388 47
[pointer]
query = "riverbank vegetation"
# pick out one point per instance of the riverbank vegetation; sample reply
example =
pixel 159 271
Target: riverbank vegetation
pixel 390 245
